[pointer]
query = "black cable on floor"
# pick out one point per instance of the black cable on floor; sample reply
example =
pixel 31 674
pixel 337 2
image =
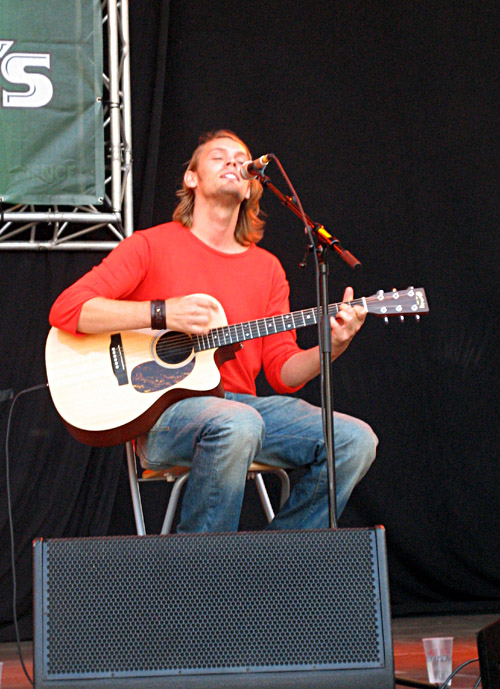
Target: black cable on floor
pixel 11 525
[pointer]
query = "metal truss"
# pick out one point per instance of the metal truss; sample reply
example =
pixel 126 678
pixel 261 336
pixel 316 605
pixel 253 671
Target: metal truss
pixel 84 228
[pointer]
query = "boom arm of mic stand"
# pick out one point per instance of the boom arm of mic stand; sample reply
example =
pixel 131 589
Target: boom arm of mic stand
pixel 318 230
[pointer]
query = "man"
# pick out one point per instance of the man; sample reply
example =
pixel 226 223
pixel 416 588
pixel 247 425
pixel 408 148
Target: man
pixel 162 275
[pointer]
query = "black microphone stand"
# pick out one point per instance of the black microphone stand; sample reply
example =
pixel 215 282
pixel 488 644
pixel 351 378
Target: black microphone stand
pixel 320 242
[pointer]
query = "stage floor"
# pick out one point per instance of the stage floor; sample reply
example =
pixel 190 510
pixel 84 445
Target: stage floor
pixel 407 634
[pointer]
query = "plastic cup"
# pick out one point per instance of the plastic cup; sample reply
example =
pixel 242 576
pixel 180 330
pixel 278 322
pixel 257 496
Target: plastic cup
pixel 439 656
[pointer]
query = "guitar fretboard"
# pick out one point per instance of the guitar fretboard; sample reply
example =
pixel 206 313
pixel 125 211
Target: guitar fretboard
pixel 249 330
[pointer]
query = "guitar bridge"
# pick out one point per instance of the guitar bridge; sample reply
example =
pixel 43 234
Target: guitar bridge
pixel 117 357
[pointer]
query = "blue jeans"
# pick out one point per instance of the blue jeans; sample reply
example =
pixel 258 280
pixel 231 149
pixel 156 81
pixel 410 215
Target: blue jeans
pixel 220 438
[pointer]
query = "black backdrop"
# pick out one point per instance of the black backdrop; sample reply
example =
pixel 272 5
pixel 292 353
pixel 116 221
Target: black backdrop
pixel 386 117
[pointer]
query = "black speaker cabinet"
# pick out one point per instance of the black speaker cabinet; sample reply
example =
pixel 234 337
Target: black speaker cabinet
pixel 488 648
pixel 286 610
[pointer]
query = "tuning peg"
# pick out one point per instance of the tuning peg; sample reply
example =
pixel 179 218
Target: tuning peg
pixel 386 320
pixel 401 318
pixel 417 317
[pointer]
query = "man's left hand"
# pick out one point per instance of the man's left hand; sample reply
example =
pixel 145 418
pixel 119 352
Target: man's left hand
pixel 346 323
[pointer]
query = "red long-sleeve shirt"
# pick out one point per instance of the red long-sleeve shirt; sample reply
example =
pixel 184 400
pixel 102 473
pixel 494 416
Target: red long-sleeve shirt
pixel 169 261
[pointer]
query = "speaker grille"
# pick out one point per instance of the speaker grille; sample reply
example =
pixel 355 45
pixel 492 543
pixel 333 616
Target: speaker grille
pixel 211 603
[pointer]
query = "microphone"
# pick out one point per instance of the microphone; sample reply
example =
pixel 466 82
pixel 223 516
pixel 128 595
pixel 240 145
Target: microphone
pixel 252 168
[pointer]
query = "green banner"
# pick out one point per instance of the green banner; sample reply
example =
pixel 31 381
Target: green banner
pixel 51 120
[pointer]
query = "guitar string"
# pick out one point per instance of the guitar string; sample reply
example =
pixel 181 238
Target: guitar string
pixel 182 344
pixel 174 339
pixel 180 336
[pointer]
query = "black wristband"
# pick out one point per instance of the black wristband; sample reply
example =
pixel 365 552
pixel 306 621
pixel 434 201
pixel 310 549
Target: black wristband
pixel 158 315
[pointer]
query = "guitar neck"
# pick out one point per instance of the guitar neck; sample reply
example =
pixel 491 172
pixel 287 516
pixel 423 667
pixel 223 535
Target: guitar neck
pixel 411 301
pixel 249 330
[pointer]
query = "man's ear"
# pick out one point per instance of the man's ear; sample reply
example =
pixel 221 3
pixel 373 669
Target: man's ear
pixel 190 179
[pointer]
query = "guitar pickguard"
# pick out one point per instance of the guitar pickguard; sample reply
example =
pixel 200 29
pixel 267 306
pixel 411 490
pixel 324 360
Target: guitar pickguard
pixel 151 377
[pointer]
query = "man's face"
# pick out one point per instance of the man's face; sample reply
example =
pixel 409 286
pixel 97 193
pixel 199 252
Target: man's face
pixel 218 172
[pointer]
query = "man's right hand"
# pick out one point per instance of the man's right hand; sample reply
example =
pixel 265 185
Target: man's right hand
pixel 191 314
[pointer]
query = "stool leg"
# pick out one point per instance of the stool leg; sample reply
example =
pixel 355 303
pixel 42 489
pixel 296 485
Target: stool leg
pixel 264 497
pixel 134 490
pixel 172 503
pixel 285 485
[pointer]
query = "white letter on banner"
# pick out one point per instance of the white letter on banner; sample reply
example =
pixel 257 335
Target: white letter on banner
pixel 40 89
pixel 4 47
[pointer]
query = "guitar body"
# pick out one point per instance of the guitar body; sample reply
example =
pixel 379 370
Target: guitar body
pixel 111 387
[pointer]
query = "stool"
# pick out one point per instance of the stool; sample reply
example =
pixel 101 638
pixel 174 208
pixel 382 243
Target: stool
pixel 178 475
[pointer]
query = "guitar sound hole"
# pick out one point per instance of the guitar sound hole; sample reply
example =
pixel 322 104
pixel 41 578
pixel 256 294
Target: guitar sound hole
pixel 173 348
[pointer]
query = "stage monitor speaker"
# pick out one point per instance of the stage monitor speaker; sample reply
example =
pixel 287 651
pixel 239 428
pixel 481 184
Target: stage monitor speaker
pixel 277 610
pixel 488 648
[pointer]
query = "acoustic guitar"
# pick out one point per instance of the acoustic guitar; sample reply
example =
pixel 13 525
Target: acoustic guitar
pixel 111 387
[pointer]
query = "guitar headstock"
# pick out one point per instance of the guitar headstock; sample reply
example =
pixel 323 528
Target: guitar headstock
pixel 408 302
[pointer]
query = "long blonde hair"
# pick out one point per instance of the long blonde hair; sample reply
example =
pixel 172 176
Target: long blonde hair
pixel 249 226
